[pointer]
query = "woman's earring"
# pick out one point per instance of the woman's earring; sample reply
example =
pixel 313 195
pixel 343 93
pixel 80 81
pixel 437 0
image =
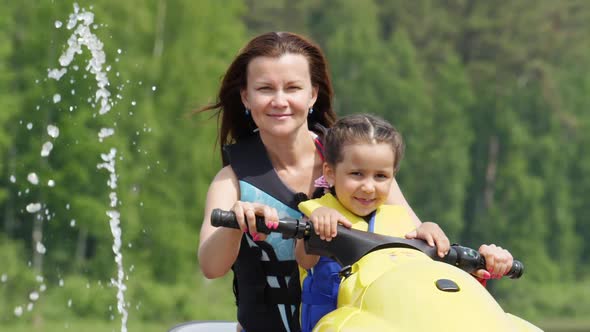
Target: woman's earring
pixel 247 112
pixel 310 110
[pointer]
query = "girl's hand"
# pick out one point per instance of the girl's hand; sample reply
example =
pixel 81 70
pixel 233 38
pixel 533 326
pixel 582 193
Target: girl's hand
pixel 433 235
pixel 325 222
pixel 246 213
pixel 498 262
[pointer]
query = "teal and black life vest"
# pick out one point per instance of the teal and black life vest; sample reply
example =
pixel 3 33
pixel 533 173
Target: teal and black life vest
pixel 266 277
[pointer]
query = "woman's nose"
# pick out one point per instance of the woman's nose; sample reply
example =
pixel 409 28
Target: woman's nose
pixel 279 100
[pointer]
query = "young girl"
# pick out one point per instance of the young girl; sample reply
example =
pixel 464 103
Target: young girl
pixel 362 156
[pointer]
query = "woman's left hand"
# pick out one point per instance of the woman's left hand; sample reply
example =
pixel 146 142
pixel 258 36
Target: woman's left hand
pixel 498 262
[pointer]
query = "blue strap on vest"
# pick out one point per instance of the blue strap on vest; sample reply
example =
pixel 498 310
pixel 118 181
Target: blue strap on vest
pixel 266 278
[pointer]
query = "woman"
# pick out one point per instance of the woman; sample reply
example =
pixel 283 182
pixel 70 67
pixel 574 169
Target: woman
pixel 274 100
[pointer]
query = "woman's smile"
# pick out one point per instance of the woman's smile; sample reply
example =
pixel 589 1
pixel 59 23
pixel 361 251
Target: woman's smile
pixel 281 116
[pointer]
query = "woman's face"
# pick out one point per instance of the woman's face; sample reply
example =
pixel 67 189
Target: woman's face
pixel 279 93
pixel 363 178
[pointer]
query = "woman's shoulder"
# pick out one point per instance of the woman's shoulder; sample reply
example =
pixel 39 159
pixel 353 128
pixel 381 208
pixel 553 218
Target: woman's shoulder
pixel 225 177
pixel 227 172
pixel 224 185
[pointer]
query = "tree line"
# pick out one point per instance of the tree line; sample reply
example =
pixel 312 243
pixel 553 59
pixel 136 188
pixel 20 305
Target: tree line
pixel 489 96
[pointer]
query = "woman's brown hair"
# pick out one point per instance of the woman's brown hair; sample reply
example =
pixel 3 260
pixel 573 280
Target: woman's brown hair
pixel 234 124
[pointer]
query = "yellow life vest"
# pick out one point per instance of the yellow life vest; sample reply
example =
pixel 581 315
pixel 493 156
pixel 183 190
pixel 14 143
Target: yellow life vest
pixel 319 290
pixel 392 220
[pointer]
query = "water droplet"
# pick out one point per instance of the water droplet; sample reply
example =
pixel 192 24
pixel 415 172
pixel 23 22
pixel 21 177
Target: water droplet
pixel 29 126
pixel 12 179
pixel 40 248
pixel 34 296
pixel 33 178
pixel 104 133
pixel 56 98
pixel 53 131
pixel 46 149
pixel 33 207
pixel 58 24
pixel 51 183
pixel 4 277
pixel 154 88
pixel 56 74
pixel 18 311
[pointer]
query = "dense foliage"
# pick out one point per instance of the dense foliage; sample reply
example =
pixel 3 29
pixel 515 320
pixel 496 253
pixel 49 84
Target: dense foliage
pixel 489 95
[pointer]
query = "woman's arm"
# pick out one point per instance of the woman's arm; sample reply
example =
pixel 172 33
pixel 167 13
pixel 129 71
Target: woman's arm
pixel 430 232
pixel 219 247
pixel 396 197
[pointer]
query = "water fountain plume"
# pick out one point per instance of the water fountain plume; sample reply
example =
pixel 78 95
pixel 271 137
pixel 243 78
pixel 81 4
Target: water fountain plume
pixel 81 22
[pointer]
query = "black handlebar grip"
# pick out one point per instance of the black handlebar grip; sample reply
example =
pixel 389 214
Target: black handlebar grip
pixel 222 218
pixel 470 260
pixel 516 271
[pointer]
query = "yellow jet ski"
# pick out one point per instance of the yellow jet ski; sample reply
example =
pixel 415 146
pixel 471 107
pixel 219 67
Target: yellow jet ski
pixel 395 284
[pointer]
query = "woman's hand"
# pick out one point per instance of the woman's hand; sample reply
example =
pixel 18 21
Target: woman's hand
pixel 498 262
pixel 433 235
pixel 325 222
pixel 246 213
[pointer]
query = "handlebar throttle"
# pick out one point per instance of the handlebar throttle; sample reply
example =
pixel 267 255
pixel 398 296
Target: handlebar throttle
pixel 222 218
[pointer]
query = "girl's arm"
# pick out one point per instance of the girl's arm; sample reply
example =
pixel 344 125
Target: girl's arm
pixel 304 260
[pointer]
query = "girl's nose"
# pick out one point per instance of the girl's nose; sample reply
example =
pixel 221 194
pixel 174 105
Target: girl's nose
pixel 368 186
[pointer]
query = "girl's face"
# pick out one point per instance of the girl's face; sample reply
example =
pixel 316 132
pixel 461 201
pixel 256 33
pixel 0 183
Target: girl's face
pixel 363 179
pixel 279 93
